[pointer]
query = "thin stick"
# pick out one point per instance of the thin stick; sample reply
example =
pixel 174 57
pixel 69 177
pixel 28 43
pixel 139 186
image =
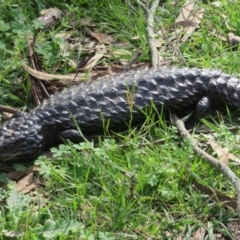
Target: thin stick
pixel 151 38
pixel 227 172
pixel 8 109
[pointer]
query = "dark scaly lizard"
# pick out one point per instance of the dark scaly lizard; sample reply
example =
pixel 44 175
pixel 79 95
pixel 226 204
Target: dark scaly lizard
pixel 24 137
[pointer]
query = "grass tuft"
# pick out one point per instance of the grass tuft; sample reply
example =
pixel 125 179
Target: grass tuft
pixel 141 184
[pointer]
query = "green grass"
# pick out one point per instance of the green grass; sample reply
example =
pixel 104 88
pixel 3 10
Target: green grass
pixel 127 186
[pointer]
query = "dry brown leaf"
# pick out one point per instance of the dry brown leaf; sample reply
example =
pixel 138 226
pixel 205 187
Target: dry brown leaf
pixel 189 19
pixel 188 13
pixel 102 37
pixel 49 77
pixel 99 36
pixel 6 116
pixel 29 188
pixel 183 24
pixel 199 234
pixel 100 52
pixel 222 152
pixel 18 174
pixel 24 182
pixel 233 158
pixel 28 182
pixel 233 39
pixel 50 17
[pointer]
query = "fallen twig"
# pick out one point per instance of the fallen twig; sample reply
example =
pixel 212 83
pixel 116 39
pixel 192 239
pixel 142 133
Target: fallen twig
pixel 8 109
pixel 151 38
pixel 222 167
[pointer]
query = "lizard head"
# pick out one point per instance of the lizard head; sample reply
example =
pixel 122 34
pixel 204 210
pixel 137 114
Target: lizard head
pixel 20 139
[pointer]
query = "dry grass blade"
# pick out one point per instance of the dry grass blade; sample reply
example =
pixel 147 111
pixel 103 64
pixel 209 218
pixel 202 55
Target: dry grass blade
pixel 66 79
